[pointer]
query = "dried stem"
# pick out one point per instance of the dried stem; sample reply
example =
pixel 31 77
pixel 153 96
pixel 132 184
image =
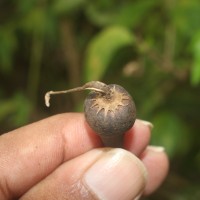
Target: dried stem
pixel 93 85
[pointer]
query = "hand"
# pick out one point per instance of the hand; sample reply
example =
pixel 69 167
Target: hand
pixel 61 158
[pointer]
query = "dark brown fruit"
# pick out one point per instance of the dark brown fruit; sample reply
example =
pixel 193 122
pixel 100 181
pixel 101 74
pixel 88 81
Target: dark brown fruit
pixel 110 114
pixel 109 110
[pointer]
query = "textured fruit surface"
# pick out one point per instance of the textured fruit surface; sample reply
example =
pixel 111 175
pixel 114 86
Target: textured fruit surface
pixel 111 113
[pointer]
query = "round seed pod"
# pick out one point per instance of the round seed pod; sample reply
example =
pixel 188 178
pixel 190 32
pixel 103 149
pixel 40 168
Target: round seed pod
pixel 110 114
pixel 109 110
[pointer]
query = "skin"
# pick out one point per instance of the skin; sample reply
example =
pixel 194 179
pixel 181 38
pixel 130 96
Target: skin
pixel 49 159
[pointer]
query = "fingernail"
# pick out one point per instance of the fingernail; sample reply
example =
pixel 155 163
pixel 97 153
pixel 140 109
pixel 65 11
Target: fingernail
pixel 138 197
pixel 156 148
pixel 147 123
pixel 117 174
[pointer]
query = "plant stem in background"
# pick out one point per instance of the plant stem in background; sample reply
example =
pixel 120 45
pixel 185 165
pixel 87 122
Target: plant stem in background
pixel 35 66
pixel 170 39
pixel 71 55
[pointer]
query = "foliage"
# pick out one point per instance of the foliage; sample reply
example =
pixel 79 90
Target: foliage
pixel 102 49
pixel 152 48
pixel 195 72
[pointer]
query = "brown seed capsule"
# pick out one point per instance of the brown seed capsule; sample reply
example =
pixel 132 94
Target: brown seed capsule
pixel 110 114
pixel 109 111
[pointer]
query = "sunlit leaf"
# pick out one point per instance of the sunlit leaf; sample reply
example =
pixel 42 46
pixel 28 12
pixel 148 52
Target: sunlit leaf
pixel 102 49
pixel 195 70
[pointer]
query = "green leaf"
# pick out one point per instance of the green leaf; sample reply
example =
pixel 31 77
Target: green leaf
pixel 6 107
pixel 131 14
pixel 186 17
pixel 8 44
pixel 99 17
pixel 24 6
pixel 103 48
pixel 170 132
pixel 195 70
pixel 66 6
pixel 124 14
pixel 36 21
pixel 18 109
pixel 23 109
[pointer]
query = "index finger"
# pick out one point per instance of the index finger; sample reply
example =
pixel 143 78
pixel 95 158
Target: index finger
pixel 30 153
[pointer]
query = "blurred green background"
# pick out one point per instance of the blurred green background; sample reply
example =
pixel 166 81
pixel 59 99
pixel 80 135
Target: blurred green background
pixel 152 48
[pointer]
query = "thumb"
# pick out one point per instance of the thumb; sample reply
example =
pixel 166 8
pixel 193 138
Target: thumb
pixel 98 174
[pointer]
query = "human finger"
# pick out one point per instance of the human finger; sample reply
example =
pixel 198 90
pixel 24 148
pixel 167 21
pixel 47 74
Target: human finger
pixel 97 174
pixel 137 138
pixel 34 151
pixel 157 164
